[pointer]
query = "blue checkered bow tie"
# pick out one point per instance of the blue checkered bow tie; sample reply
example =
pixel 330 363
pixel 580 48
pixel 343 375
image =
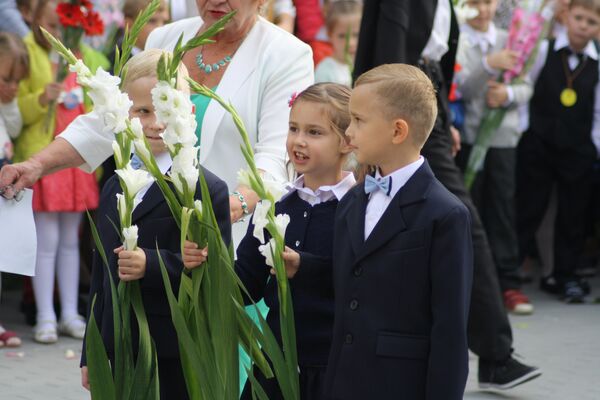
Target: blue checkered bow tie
pixel 136 163
pixel 373 184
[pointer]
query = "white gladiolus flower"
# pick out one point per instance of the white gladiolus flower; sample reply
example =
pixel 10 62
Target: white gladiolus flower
pixel 184 127
pixel 268 250
pixel 260 220
pixel 281 222
pixel 274 188
pixel 116 114
pixel 121 206
pixel 117 152
pixel 464 12
pixel 187 173
pixel 137 128
pixel 130 235
pixel 198 206
pixel 243 176
pixel 134 179
pixel 170 138
pixel 162 98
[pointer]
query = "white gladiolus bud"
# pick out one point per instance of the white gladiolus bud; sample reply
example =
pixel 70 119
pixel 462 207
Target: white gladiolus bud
pixel 274 188
pixel 260 220
pixel 136 128
pixel 117 152
pixel 243 176
pixel 130 235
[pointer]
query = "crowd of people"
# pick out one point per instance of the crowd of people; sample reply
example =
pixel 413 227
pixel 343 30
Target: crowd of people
pixel 347 104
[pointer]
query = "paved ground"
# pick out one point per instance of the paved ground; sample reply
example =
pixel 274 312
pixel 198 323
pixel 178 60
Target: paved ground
pixel 563 339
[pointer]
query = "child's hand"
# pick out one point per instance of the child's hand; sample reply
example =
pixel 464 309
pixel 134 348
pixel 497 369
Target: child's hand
pixel 455 140
pixel 192 256
pixel 51 93
pixel 132 264
pixel 497 95
pixel 291 259
pixel 503 60
pixel 8 92
pixel 85 382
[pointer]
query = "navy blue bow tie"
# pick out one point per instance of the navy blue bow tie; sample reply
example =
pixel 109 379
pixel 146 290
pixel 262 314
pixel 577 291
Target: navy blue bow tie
pixel 373 184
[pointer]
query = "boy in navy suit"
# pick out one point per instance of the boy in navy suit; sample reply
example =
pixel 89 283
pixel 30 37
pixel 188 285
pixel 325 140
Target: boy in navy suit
pixel 156 227
pixel 402 254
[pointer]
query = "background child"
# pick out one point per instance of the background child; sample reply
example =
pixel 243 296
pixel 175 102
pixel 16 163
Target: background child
pixel 156 226
pixel 561 145
pixel 402 256
pixel 482 58
pixel 13 67
pixel 318 149
pixel 60 198
pixel 342 18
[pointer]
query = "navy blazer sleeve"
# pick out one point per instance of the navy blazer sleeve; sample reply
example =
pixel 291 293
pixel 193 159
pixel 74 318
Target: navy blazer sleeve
pixel 451 275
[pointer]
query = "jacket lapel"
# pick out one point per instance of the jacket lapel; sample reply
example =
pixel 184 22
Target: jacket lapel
pixel 152 198
pixel 239 70
pixel 392 221
pixel 355 218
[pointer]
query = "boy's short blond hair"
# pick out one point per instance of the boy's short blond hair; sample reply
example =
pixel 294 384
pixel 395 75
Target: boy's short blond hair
pixel 404 92
pixel 143 65
pixel 131 8
pixel 592 5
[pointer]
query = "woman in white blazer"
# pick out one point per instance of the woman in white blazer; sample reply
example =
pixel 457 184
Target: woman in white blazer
pixel 267 66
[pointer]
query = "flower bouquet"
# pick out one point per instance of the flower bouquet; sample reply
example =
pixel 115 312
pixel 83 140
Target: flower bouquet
pixel 208 312
pixel 529 26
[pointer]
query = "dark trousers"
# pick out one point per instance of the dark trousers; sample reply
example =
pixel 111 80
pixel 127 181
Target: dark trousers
pixel 540 166
pixel 489 332
pixel 311 379
pixel 493 193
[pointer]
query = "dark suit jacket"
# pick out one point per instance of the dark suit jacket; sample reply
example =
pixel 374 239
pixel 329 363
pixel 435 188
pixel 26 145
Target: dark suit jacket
pixel 396 31
pixel 401 296
pixel 156 225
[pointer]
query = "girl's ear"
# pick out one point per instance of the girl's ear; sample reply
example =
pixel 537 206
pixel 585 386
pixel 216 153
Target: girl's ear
pixel 345 147
pixel 400 131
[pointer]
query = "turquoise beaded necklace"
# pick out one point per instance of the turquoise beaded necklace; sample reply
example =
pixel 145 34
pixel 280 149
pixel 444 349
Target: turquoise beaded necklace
pixel 208 68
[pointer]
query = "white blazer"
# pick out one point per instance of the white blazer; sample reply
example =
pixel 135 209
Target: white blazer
pixel 267 69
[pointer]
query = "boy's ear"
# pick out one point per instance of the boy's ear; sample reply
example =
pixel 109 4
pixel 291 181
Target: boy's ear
pixel 345 147
pixel 400 131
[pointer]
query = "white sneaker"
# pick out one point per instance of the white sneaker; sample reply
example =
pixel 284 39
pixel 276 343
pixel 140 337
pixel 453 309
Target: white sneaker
pixel 74 327
pixel 45 332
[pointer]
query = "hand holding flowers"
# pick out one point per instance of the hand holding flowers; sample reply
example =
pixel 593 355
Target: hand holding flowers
pixel 132 264
pixel 504 59
pixel 193 256
pixel 291 259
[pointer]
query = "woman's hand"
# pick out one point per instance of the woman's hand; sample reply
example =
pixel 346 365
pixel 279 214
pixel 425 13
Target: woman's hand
pixel 192 255
pixel 236 211
pixel 132 264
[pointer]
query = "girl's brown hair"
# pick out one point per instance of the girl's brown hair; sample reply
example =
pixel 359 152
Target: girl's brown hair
pixel 336 98
pixel 12 47
pixel 35 26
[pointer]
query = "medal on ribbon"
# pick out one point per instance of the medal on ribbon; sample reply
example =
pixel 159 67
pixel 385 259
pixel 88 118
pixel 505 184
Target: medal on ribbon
pixel 568 96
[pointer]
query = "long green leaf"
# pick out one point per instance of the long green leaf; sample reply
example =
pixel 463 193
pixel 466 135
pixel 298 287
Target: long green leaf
pixel 100 377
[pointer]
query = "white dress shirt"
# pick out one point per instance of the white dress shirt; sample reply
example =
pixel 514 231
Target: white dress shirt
pixel 379 201
pixel 164 162
pixel 437 45
pixel 590 51
pixel 323 193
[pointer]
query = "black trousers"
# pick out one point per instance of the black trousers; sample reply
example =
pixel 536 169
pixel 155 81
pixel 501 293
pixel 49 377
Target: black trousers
pixel 489 331
pixel 493 193
pixel 540 165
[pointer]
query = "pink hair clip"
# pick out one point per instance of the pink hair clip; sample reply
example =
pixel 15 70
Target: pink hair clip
pixel 292 99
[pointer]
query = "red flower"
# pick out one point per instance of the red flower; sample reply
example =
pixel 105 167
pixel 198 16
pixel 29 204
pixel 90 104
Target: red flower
pixel 92 24
pixel 70 14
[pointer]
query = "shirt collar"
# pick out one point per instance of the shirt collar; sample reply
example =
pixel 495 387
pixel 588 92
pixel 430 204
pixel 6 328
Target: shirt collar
pixel 485 40
pixel 402 175
pixel 562 41
pixel 323 193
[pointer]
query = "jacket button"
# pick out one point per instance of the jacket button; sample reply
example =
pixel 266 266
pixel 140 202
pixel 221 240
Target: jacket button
pixel 305 214
pixel 358 271
pixel 348 339
pixel 354 304
pixel 297 243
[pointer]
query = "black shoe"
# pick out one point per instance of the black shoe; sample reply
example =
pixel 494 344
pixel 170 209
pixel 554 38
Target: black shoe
pixel 505 374
pixel 573 292
pixel 549 285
